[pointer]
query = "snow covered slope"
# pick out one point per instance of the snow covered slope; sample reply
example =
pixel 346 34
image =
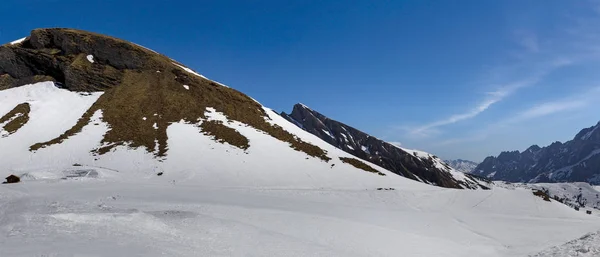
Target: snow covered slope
pixel 586 246
pixel 576 194
pixel 267 162
pixel 88 211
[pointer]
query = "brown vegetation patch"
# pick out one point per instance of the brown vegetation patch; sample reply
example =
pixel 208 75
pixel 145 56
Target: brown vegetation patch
pixel 224 134
pixel 16 118
pixel 360 165
pixel 142 88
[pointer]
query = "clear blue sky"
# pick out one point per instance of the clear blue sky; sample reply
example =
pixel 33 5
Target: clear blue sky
pixel 460 79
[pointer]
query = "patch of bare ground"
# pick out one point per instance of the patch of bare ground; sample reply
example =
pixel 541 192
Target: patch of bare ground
pixel 16 118
pixel 361 165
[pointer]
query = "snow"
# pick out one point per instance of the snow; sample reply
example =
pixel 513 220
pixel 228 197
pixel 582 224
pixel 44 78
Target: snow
pixel 586 246
pixel 578 194
pixel 159 216
pixel 215 199
pixel 18 41
pixel 197 74
pixel 155 126
pixel 146 48
pixel 344 136
pixel 90 58
pixel 441 165
pixel 186 87
pixel 328 133
pixel 189 70
pixel 47 102
pixel 365 149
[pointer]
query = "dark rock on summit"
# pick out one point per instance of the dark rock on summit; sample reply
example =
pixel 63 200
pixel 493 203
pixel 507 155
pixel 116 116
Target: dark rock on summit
pixel 60 55
pixel 577 160
pixel 428 169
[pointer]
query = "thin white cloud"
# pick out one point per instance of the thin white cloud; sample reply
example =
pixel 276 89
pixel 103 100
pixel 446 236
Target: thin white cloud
pixel 528 40
pixel 551 108
pixel 491 99
pixel 570 103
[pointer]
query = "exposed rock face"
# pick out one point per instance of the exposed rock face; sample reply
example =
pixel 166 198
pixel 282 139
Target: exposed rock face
pixel 577 160
pixel 143 91
pixel 462 165
pixel 416 166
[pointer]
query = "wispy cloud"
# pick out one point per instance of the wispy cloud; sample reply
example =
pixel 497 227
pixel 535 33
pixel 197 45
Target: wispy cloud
pixel 527 40
pixel 492 98
pixel 571 103
pixel 551 108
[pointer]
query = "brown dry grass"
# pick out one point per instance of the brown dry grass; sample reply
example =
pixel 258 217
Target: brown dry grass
pixel 19 116
pixel 360 165
pixel 224 134
pixel 143 92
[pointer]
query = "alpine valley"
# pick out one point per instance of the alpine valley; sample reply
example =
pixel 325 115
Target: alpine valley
pixel 121 151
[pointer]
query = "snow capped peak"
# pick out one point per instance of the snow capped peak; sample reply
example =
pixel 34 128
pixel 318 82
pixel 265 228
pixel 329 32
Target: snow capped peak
pixel 303 106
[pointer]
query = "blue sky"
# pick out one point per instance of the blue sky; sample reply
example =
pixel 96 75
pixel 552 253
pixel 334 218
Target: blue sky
pixel 460 79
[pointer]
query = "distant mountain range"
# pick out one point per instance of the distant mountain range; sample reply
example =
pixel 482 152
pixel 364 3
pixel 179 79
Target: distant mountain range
pixel 577 160
pixel 462 165
pixel 413 164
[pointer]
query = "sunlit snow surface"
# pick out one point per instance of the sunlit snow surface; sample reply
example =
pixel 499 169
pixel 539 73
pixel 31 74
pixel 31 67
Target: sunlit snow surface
pixel 111 214
pixel 214 199
pixel 18 41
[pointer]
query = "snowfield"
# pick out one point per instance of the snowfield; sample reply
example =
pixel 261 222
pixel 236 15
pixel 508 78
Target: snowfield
pixel 586 246
pixel 213 199
pixel 57 213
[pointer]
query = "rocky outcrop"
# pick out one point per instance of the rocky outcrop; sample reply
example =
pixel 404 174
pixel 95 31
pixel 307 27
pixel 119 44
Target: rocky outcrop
pixel 577 160
pixel 411 164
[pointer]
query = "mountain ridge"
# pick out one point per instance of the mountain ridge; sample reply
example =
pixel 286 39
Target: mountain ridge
pixel 461 165
pixel 576 160
pixel 412 164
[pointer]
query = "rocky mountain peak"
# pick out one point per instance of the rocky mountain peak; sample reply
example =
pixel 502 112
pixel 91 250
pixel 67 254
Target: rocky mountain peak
pixel 577 160
pixel 412 164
